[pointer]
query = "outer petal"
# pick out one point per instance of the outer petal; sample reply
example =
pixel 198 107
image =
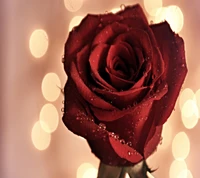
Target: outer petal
pixel 172 50
pixel 79 37
pixel 78 119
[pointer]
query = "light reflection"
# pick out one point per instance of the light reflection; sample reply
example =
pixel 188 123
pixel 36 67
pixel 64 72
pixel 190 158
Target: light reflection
pixel 185 174
pixel 190 114
pixel 176 167
pixel 185 95
pixel 175 18
pixel 91 172
pixel 166 135
pixel 75 21
pixel 197 99
pixel 40 138
pixel 160 15
pixel 127 176
pixel 152 6
pixel 38 43
pixel 85 169
pixel 73 5
pixel 181 146
pixel 50 87
pixel 115 10
pixel 49 116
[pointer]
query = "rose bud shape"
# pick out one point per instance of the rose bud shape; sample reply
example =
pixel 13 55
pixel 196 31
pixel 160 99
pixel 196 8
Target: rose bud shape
pixel 124 77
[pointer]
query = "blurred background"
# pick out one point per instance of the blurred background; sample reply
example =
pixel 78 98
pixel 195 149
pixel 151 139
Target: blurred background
pixel 34 142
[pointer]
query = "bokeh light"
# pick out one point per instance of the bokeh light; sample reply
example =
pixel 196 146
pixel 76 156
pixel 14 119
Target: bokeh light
pixel 40 138
pixel 86 170
pixel 160 15
pixel 38 43
pixel 75 21
pixel 190 114
pixel 73 5
pixel 166 136
pixel 152 6
pixel 49 116
pixel 50 87
pixel 180 146
pixel 174 17
pixel 115 10
pixel 149 175
pixel 185 174
pixel 177 167
pixel 91 172
pixel 197 99
pixel 185 95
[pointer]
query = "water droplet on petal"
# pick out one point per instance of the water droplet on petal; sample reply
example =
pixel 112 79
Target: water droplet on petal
pixel 183 65
pixel 100 25
pixel 62 109
pixel 122 141
pixel 63 102
pixel 102 126
pixel 122 6
pixel 129 144
pixel 63 59
pixel 129 153
pixel 116 136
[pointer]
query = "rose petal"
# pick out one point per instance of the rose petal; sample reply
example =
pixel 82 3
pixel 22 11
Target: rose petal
pixel 86 92
pixel 98 63
pixel 117 82
pixel 79 37
pixel 137 38
pixel 172 50
pixel 134 11
pixel 120 51
pixel 106 35
pixel 77 118
pixel 119 98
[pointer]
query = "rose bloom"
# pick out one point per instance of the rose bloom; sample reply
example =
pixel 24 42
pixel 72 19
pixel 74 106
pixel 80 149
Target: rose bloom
pixel 124 77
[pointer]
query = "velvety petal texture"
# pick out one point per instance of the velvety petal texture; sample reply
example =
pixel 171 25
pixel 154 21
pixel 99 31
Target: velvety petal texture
pixel 124 78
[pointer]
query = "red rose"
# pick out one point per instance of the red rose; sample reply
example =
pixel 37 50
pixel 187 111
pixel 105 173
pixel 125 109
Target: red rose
pixel 124 77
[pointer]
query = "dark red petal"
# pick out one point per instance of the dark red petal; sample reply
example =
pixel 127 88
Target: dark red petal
pixel 117 82
pixel 107 34
pixel 97 62
pixel 79 37
pixel 78 119
pixel 83 64
pixel 134 11
pixel 86 92
pixel 137 38
pixel 173 54
pixel 126 101
pixel 151 146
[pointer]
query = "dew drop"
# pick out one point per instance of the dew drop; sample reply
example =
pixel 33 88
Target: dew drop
pixel 129 144
pixel 122 6
pixel 116 136
pixel 63 59
pixel 183 65
pixel 62 109
pixel 100 25
pixel 129 153
pixel 122 141
pixel 102 126
pixel 63 102
pixel 151 22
